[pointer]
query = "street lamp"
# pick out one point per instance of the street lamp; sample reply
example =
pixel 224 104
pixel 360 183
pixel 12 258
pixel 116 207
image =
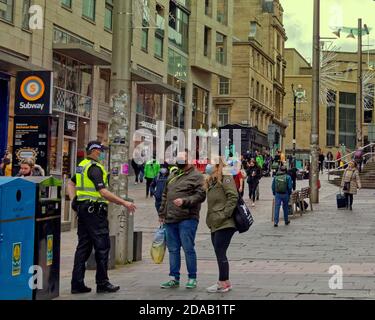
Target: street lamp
pixel 294 123
pixel 359 114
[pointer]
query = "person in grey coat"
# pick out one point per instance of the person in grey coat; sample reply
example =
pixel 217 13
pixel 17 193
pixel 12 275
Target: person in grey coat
pixel 351 183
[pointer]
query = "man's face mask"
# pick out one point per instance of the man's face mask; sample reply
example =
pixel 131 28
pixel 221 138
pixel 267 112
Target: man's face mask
pixel 181 163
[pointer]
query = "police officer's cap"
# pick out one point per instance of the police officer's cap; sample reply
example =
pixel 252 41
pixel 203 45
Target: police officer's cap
pixel 92 145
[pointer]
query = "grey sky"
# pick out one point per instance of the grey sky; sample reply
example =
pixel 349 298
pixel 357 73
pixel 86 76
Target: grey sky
pixel 298 22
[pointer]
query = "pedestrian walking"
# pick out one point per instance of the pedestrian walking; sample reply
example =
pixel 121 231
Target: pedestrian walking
pixel 358 158
pixel 292 172
pixel 259 159
pixel 222 198
pixel 331 164
pixel 137 170
pixel 235 169
pixel 152 169
pixel 88 191
pixel 30 169
pixel 6 167
pixel 350 184
pixel 282 186
pixel 253 177
pixel 338 158
pixel 158 185
pixel 321 161
pixel 179 212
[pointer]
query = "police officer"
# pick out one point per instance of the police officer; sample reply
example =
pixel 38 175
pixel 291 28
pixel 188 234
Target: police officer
pixel 88 190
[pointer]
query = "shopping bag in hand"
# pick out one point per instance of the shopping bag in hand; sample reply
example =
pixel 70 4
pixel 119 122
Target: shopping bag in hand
pixel 158 246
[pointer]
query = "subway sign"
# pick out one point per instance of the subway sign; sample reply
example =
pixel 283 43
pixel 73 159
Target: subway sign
pixel 33 93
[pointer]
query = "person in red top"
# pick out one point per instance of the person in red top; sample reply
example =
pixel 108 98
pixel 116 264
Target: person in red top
pixel 338 157
pixel 240 182
pixel 235 170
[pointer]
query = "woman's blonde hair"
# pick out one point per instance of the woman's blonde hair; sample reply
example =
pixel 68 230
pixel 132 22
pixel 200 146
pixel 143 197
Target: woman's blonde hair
pixel 219 165
pixel 28 161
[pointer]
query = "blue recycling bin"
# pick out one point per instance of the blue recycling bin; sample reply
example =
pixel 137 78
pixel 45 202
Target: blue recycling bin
pixel 17 224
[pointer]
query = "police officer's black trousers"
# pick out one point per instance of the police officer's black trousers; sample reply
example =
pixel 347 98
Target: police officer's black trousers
pixel 93 232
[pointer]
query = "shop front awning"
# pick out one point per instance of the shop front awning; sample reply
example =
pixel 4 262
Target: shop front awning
pixel 152 83
pixel 12 64
pixel 82 53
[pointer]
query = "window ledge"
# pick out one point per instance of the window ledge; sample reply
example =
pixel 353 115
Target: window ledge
pixel 89 20
pixel 67 8
pixel 27 30
pixel 159 58
pixel 108 30
pixel 7 22
pixel 144 50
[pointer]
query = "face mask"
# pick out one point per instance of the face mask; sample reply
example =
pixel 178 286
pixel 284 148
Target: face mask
pixel 209 169
pixel 101 157
pixel 181 166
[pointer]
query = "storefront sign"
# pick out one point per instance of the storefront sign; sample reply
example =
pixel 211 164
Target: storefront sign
pixel 49 250
pixel 125 169
pixel 16 259
pixel 148 125
pixel 70 125
pixel 33 93
pixel 31 140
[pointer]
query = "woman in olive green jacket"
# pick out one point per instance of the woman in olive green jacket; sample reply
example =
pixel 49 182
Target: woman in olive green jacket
pixel 222 197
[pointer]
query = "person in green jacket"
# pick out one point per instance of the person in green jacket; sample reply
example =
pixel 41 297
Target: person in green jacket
pixel 152 169
pixel 222 197
pixel 259 159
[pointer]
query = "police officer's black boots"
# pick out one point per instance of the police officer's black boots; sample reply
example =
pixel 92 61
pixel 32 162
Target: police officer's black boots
pixel 80 289
pixel 107 288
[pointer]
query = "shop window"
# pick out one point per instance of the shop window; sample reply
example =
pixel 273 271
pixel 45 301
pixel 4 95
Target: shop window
pixel 331 118
pixel 223 116
pixel 159 45
pixel 207 8
pixel 221 48
pixel 66 3
pixel 224 86
pixel 25 14
pixel 200 108
pixel 177 65
pixel 104 86
pixel 178 27
pixel 207 42
pixel 253 29
pixel 88 10
pixel 108 15
pixel 222 11
pixel 6 10
pixel 369 103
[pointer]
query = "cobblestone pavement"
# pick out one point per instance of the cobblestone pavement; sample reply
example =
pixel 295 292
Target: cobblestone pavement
pixel 290 262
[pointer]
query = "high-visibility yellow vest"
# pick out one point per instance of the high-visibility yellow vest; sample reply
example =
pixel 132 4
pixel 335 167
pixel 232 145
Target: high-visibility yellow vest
pixel 86 190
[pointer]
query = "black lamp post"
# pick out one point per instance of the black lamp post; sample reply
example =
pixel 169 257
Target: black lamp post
pixel 294 124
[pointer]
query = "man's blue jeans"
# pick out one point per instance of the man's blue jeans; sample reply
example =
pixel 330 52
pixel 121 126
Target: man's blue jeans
pixel 182 234
pixel 281 199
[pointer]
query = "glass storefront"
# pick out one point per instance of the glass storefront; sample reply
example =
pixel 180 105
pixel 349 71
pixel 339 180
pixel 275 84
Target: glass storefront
pixel 200 108
pixel 347 117
pixel 178 27
pixel 148 112
pixel 177 77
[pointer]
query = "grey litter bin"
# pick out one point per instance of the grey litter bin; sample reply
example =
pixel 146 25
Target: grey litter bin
pixel 91 263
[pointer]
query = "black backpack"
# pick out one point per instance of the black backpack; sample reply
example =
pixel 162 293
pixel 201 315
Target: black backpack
pixel 242 216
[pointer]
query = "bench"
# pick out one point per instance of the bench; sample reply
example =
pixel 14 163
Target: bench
pixel 293 201
pixel 305 194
